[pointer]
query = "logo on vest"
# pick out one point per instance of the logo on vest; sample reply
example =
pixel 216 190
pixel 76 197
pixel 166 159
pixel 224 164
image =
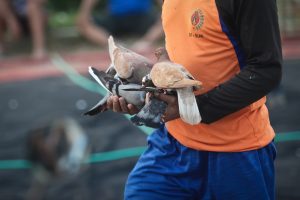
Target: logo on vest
pixel 197 19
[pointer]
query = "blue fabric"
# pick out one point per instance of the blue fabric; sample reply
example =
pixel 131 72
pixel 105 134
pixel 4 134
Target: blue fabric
pixel 169 170
pixel 20 7
pixel 125 7
pixel 238 51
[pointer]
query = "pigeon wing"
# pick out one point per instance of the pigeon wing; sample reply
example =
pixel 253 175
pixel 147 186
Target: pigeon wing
pixel 101 77
pixel 171 75
pixel 99 107
pixel 150 114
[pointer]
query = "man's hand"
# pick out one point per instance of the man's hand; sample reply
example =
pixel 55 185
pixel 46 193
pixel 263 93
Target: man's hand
pixel 172 111
pixel 118 104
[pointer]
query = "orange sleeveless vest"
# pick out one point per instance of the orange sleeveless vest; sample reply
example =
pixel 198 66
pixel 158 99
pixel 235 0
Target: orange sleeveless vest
pixel 196 39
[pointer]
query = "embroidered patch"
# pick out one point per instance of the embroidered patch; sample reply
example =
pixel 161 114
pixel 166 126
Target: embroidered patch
pixel 197 19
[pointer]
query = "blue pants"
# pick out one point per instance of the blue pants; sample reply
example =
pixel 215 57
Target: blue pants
pixel 169 170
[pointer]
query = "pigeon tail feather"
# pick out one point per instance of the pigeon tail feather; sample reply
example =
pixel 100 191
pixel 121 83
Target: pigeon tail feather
pixel 188 107
pixel 111 48
pixel 99 107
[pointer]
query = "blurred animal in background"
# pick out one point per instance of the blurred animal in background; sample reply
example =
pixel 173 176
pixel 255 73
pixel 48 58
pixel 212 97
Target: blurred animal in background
pixel 57 151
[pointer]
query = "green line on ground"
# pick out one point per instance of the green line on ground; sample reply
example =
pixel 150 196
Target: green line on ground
pixel 14 164
pixel 75 77
pixel 94 158
pixel 288 136
pixel 115 155
pixel 126 153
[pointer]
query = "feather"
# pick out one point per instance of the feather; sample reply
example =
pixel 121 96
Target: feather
pixel 188 107
pixel 111 48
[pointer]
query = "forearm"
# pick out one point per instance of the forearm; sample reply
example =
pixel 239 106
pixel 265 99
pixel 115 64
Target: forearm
pixel 248 86
pixel 154 33
pixel 86 7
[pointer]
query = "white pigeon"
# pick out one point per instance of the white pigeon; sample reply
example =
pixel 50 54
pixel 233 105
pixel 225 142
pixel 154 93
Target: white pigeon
pixel 128 64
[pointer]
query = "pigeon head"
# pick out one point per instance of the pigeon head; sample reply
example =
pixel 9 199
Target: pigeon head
pixel 147 81
pixel 161 54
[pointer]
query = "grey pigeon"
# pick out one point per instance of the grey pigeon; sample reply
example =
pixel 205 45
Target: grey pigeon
pixel 150 114
pixel 115 87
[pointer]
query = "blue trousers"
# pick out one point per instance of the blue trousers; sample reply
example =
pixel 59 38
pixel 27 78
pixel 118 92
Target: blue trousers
pixel 169 170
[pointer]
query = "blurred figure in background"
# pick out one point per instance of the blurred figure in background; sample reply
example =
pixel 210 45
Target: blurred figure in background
pixel 123 18
pixel 22 17
pixel 57 150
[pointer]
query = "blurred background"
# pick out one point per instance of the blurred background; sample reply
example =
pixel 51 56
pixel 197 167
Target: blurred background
pixel 45 49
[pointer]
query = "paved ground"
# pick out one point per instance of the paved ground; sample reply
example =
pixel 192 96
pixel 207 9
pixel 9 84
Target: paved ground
pixel 32 93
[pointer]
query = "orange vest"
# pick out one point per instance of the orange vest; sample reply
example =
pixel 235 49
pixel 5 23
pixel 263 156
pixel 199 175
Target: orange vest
pixel 195 39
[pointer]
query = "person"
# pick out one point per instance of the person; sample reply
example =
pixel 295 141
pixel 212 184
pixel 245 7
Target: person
pixel 123 18
pixel 233 47
pixel 22 17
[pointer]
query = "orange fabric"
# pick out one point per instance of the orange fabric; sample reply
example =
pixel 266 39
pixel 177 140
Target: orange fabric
pixel 194 39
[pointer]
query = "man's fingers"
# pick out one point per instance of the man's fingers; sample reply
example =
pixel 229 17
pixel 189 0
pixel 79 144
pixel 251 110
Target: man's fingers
pixel 109 103
pixel 166 98
pixel 116 104
pixel 123 105
pixel 132 109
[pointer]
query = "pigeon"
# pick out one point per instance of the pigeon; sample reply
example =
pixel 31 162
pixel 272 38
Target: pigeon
pixel 114 86
pixel 150 114
pixel 176 77
pixel 129 65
